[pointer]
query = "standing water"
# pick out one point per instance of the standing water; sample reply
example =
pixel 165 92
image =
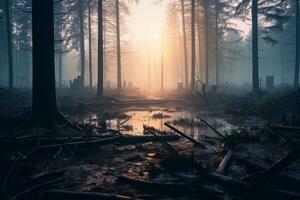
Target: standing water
pixel 131 120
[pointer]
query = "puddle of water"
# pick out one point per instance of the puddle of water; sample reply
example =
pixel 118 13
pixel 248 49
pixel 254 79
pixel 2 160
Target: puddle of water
pixel 157 117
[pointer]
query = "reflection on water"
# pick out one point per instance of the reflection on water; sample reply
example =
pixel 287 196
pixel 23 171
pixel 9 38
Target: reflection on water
pixel 132 121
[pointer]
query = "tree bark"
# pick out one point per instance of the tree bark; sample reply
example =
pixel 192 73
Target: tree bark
pixel 43 91
pixel 217 40
pixel 81 41
pixel 60 46
pixel 193 50
pixel 206 43
pixel 119 73
pixel 90 47
pixel 297 59
pixel 60 67
pixel 199 44
pixel 100 49
pixel 162 64
pixel 255 74
pixel 184 44
pixel 9 45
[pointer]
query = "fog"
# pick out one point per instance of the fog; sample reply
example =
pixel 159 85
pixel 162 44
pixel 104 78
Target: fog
pixel 152 39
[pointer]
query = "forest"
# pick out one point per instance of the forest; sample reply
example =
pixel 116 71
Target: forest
pixel 149 99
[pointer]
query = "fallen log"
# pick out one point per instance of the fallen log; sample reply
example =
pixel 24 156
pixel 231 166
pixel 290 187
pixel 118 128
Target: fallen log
pixel 122 140
pixel 164 143
pixel 184 135
pixel 80 143
pixel 280 165
pixel 32 191
pixel 160 187
pixel 44 176
pixel 248 164
pixel 146 138
pixel 212 128
pixel 282 194
pixel 285 128
pixel 173 188
pixel 277 132
pixel 63 195
pixel 245 189
pixel 225 163
pixel 286 181
pixel 52 140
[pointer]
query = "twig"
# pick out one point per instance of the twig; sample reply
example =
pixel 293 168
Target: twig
pixel 123 122
pixel 8 174
pixel 58 152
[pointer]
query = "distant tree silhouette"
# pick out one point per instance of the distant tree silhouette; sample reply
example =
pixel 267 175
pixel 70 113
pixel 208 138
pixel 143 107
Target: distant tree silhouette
pixel 186 81
pixel 100 49
pixel 90 46
pixel 81 40
pixel 9 44
pixel 270 11
pixel 193 46
pixel 297 59
pixel 119 69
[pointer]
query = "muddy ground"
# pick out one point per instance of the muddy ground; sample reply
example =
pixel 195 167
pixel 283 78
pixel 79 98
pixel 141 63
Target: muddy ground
pixel 145 170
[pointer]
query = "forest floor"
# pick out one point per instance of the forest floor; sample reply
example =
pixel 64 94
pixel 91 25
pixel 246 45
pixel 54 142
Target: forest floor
pixel 122 149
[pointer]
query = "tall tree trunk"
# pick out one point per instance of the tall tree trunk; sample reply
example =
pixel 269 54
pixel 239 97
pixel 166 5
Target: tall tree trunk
pixel 217 40
pixel 148 59
pixel 162 65
pixel 193 50
pixel 43 91
pixel 206 42
pixel 119 72
pixel 81 41
pixel 255 75
pixel 60 68
pixel 184 45
pixel 100 49
pixel 296 79
pixel 199 44
pixel 104 47
pixel 60 46
pixel 9 45
pixel 90 47
pixel 17 57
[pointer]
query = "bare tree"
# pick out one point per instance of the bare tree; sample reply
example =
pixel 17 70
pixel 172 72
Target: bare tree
pixel 184 44
pixel 119 70
pixel 193 50
pixel 9 44
pixel 100 49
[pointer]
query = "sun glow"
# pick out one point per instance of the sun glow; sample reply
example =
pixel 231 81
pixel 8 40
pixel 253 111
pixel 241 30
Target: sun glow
pixel 146 24
pixel 156 36
pixel 146 19
pixel 153 41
